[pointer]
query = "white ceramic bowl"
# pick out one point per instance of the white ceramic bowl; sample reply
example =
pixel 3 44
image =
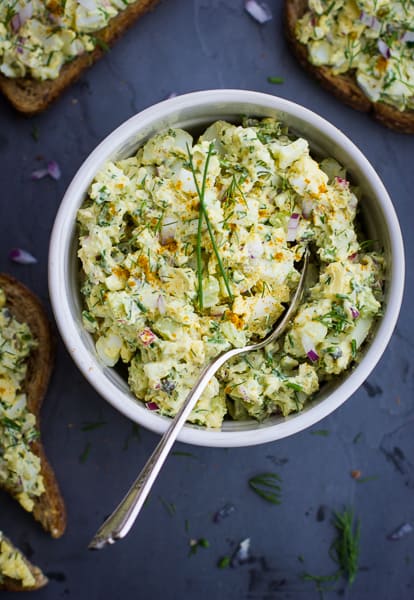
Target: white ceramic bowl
pixel 197 110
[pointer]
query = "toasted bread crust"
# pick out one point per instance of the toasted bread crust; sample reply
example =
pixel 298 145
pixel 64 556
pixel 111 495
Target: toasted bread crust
pixel 49 508
pixel 14 585
pixel 31 96
pixel 343 86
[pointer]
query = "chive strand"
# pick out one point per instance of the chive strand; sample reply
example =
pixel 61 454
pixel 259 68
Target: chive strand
pixel 203 212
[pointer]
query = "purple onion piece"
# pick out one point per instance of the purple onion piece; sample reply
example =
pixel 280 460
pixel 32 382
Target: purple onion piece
pixel 224 512
pixel 408 36
pixel 402 531
pixel 312 355
pixel 152 406
pixel 260 12
pixel 39 173
pixel 384 49
pixel 53 169
pixel 292 227
pixel 15 22
pixel 354 312
pixel 22 257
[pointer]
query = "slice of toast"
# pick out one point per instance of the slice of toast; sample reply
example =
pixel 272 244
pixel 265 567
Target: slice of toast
pixel 27 577
pixel 343 86
pixel 49 508
pixel 31 96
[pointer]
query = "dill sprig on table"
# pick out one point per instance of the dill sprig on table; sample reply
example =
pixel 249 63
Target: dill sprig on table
pixel 345 549
pixel 266 485
pixel 203 213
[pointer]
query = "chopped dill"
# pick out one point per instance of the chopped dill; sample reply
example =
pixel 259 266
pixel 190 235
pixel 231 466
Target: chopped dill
pixel 266 485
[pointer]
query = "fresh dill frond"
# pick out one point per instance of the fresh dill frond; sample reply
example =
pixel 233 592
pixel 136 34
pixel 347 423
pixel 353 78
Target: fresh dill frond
pixel 345 549
pixel 266 485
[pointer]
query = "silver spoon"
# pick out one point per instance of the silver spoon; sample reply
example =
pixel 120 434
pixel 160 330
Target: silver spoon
pixel 118 524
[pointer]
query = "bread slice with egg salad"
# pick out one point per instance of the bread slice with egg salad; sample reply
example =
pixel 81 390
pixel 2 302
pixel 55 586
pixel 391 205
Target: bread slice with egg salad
pixel 362 51
pixel 26 360
pixel 17 573
pixel 45 45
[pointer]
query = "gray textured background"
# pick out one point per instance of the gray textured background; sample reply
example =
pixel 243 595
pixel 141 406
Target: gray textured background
pixel 180 47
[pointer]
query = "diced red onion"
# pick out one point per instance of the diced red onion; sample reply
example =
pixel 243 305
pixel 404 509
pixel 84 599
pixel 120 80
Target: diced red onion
pixel 168 229
pixel 383 49
pixel 370 21
pixel 353 256
pixel 20 18
pixel 53 169
pixel 309 348
pixel 312 355
pixel 354 312
pixel 152 406
pixel 161 304
pixel 342 182
pixel 307 207
pixel 259 11
pixel 39 173
pixel 402 531
pixel 146 336
pixel 22 256
pixel 15 22
pixel 292 227
pixel 408 36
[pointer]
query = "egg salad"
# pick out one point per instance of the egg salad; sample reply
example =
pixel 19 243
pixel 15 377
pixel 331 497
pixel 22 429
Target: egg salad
pixel 190 248
pixel 13 565
pixel 19 467
pixel 370 39
pixel 37 37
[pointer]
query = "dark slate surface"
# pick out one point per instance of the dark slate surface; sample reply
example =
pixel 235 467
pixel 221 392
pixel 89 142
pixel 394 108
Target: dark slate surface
pixel 180 47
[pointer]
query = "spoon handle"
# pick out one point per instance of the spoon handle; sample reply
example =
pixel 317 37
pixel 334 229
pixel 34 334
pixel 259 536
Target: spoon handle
pixel 118 524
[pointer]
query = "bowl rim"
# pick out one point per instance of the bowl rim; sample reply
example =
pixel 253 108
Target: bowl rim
pixel 87 364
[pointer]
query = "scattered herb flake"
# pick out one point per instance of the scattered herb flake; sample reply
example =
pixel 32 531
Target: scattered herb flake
pixel 275 80
pixel 196 544
pixel 358 437
pixel 266 485
pixel 169 506
pixel 224 562
pixel 366 479
pixel 100 44
pixel 184 454
pixel 85 454
pixel 35 133
pixel 91 425
pixel 322 581
pixel 134 434
pixel 321 432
